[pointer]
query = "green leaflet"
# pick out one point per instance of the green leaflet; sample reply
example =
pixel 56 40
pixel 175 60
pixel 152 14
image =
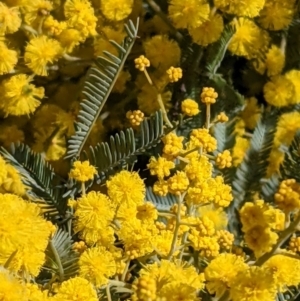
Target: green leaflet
pixel 98 86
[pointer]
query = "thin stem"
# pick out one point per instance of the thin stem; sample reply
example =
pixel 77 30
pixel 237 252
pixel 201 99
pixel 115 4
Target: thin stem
pixel 176 230
pixel 108 292
pixel 148 77
pixel 162 107
pixel 208 116
pixel 71 58
pixel 162 15
pixel 125 271
pixel 183 159
pixel 159 100
pixel 29 29
pixel 282 239
pixel 166 214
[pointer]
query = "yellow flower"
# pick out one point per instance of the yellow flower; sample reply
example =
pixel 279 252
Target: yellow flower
pixel 248 40
pixel 116 11
pixel 190 107
pixel 8 59
pixel 70 38
pixel 135 117
pixel 27 232
pixel 199 168
pixel 40 52
pixel 223 195
pixel 137 237
pixel 287 197
pixel 13 183
pixel 141 63
pixel 208 95
pixel 279 91
pixel 275 60
pixel 163 241
pixel 225 239
pixel 188 13
pixel 294 244
pixel 33 12
pixel 247 8
pixel 285 271
pixel 78 289
pixel 201 193
pixel 276 14
pixel 209 31
pixel 221 271
pixel 53 27
pixel 10 287
pixel 162 52
pixel 253 284
pixel 172 145
pixel 126 187
pixel 217 215
pixel 160 188
pixel 252 214
pixel 144 288
pixel 179 291
pixel 9 18
pixel 19 96
pixel 260 240
pixel 174 74
pixel 208 246
pixel 147 212
pixel 293 76
pixel 222 117
pixel 97 265
pixel 202 139
pixel 224 159
pixel 82 171
pixel 94 213
pixel 287 127
pixel 178 183
pixel 160 167
pixel 80 15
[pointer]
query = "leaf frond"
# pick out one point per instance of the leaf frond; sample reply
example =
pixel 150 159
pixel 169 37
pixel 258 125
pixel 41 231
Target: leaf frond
pixel 61 259
pixel 38 175
pixel 217 50
pixel 98 86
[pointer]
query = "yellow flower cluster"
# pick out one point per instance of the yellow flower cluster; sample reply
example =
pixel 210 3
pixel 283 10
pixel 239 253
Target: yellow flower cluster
pixel 174 74
pixel 135 117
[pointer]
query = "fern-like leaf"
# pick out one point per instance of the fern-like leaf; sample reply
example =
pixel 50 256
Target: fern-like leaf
pixel 123 148
pixel 61 260
pixel 269 188
pixel 217 50
pixel 289 168
pixel 39 177
pixel 98 86
pixel 253 168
